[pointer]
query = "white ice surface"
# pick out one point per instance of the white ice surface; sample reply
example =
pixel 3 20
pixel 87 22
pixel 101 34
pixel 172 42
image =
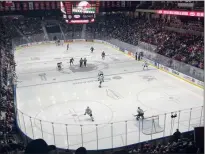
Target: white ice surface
pixel 61 97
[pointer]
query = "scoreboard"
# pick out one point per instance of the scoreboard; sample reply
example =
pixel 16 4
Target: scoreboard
pixel 80 12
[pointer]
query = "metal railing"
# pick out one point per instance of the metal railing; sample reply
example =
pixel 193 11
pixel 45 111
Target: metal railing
pixel 96 136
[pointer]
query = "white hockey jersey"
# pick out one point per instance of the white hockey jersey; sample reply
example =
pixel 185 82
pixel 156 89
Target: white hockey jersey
pixel 100 73
pixel 145 64
pixel 101 78
pixel 140 111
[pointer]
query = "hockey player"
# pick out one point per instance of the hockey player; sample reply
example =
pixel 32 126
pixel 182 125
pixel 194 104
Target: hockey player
pixel 88 111
pixel 81 62
pixel 103 55
pixel 59 66
pixel 145 65
pixel 100 73
pixel 71 61
pixel 58 42
pixel 101 79
pixel 85 62
pixel 140 113
pixel 136 56
pixel 67 47
pixel 140 55
pixel 91 49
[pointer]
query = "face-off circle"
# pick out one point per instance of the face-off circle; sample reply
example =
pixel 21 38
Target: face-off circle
pixel 72 114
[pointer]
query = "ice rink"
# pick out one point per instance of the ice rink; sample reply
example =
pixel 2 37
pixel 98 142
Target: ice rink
pixel 51 104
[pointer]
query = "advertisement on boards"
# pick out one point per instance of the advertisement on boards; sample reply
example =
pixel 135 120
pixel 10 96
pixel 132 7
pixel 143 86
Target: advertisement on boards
pixel 200 83
pixel 189 78
pixel 121 49
pixel 164 68
pixel 89 40
pixel 68 41
pixel 79 40
pixel 175 72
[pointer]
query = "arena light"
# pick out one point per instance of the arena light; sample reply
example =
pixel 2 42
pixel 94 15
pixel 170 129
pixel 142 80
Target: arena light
pixel 181 13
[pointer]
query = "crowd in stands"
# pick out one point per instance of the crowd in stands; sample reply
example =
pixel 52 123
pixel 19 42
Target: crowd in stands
pixel 7 74
pixel 190 25
pixel 184 47
pixel 174 5
pixel 28 26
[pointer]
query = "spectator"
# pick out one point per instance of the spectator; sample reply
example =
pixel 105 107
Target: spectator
pixel 81 150
pixel 177 135
pixel 39 146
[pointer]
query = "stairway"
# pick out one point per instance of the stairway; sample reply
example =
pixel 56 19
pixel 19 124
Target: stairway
pixel 62 31
pixel 44 30
pixel 83 31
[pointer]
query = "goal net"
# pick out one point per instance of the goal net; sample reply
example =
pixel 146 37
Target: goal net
pixel 151 125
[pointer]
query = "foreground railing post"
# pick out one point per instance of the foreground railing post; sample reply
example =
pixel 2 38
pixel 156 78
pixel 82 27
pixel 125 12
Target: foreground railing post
pixel 25 129
pixel 189 119
pixel 125 133
pixel 152 128
pixel 139 129
pixel 201 115
pixel 19 124
pixel 54 139
pixel 81 130
pixel 97 135
pixel 112 135
pixel 32 127
pixel 24 123
pixel 178 119
pixel 41 129
pixel 171 128
pixel 67 135
pixel 165 116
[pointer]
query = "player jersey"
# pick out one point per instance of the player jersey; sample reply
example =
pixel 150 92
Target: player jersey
pixel 101 78
pixel 88 111
pixel 100 73
pixel 140 111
